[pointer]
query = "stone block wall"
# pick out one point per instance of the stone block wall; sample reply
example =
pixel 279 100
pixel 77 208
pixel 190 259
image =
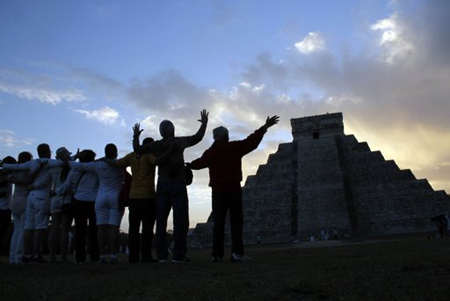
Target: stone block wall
pixel 388 200
pixel 267 199
pixel 320 187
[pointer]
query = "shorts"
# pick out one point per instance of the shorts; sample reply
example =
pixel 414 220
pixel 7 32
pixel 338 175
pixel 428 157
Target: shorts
pixel 107 209
pixel 37 212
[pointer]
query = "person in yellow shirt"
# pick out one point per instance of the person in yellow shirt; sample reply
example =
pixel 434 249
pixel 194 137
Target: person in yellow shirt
pixel 142 206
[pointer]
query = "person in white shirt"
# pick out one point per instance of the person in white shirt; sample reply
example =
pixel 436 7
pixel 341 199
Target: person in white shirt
pixel 60 220
pixel 84 186
pixel 107 209
pixel 21 180
pixel 38 202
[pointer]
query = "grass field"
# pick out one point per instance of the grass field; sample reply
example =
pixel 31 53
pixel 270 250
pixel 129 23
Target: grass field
pixel 392 269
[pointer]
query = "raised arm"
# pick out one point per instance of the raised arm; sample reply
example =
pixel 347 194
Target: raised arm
pixel 137 147
pixel 251 142
pixel 193 140
pixel 270 121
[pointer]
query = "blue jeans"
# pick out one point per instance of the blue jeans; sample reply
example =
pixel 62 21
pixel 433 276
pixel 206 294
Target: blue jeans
pixel 172 194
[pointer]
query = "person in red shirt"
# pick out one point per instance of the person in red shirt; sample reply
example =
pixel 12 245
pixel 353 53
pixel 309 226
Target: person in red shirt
pixel 224 160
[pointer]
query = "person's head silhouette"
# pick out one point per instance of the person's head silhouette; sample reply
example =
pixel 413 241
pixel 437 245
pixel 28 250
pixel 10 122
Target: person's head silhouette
pixel 44 151
pixel 110 151
pixel 87 155
pixel 220 134
pixel 24 157
pixel 63 154
pixel 167 129
pixel 9 160
pixel 148 140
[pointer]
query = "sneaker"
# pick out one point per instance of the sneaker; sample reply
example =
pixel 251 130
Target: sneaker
pixel 180 260
pixel 102 261
pixel 162 260
pixel 239 258
pixel 216 259
pixel 38 259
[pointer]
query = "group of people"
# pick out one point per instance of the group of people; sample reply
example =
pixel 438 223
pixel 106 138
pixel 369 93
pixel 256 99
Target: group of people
pixel 90 192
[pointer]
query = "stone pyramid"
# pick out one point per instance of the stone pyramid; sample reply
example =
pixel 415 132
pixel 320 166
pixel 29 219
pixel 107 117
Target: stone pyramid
pixel 325 179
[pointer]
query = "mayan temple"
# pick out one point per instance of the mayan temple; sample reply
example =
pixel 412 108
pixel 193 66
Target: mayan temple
pixel 326 179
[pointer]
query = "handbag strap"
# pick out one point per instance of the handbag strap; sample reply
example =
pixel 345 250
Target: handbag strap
pixel 79 180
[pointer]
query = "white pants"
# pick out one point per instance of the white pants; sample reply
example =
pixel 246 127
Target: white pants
pixel 107 209
pixel 16 251
pixel 37 212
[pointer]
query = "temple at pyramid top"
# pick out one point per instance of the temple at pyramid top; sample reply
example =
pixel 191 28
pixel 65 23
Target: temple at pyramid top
pixel 317 126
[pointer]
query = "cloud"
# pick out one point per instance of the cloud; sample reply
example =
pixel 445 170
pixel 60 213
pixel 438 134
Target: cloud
pixel 10 139
pixel 55 83
pixel 104 115
pixel 392 39
pixel 313 42
pixel 167 91
pixel 427 27
pixel 43 94
pixel 97 83
pixel 394 93
pixel 37 87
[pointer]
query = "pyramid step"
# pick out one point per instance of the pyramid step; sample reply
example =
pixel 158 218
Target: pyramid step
pixel 363 158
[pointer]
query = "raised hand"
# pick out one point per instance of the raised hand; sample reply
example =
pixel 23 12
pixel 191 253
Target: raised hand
pixel 270 121
pixel 77 155
pixel 137 130
pixel 204 116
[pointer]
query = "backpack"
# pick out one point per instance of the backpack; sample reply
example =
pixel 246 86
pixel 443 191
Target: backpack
pixel 189 174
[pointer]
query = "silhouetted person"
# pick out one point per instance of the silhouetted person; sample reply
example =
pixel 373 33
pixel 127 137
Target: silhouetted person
pixel 61 220
pixel 171 187
pixel 224 160
pixel 107 202
pixel 5 199
pixel 38 202
pixel 21 180
pixel 84 186
pixel 141 204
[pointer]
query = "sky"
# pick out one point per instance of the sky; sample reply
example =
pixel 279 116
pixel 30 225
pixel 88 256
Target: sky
pixel 81 73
